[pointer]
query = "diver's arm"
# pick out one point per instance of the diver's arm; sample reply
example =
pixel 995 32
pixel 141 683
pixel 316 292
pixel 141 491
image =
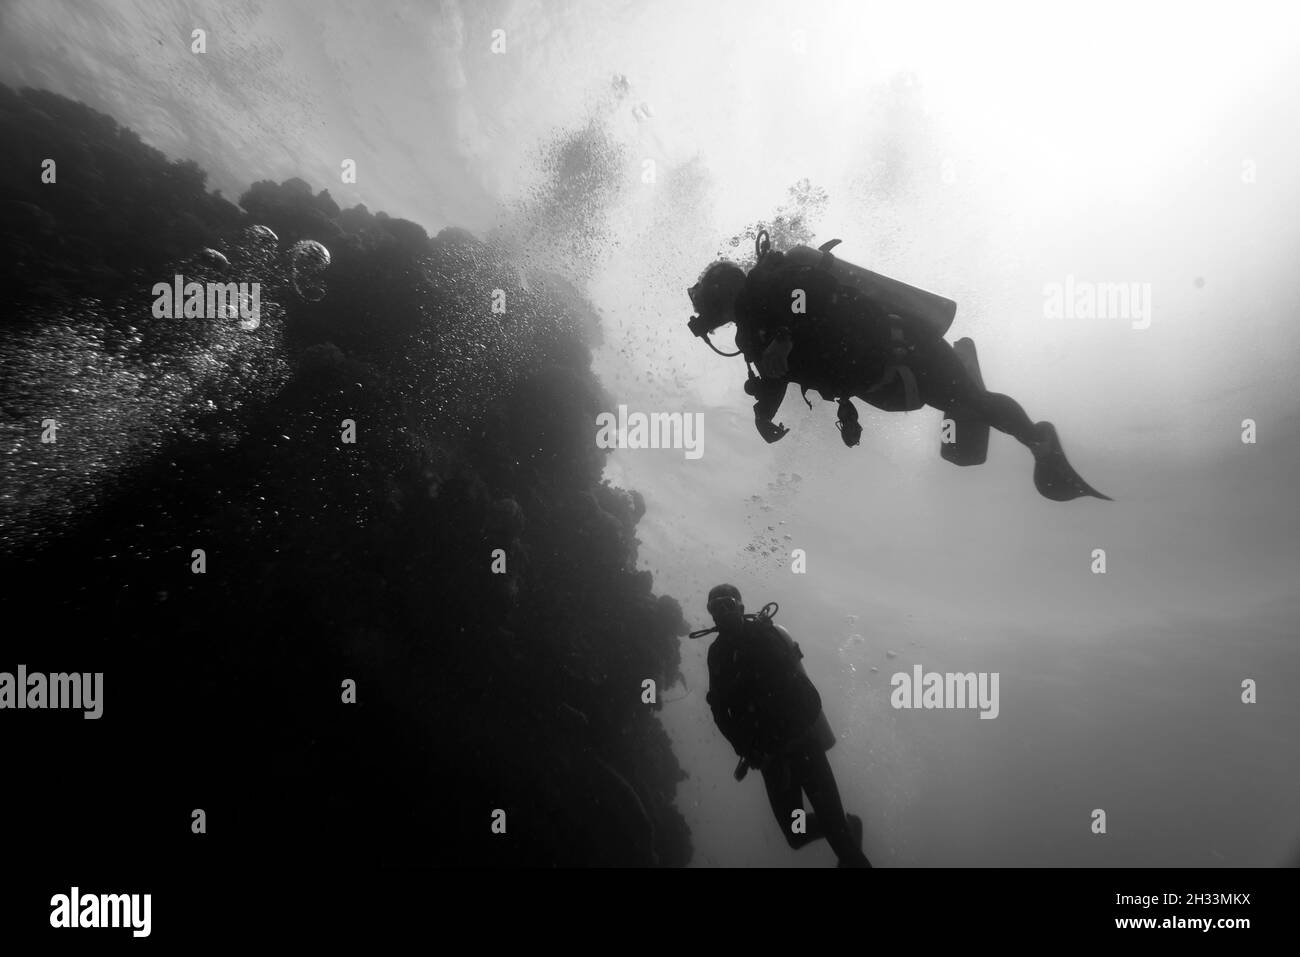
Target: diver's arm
pixel 728 725
pixel 726 720
pixel 814 291
pixel 773 363
pixel 769 393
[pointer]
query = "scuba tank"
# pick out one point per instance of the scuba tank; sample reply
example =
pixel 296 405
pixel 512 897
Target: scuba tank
pixel 890 295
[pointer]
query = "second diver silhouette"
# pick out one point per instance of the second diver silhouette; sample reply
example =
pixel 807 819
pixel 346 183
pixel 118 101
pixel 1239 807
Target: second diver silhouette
pixel 765 705
pixel 807 317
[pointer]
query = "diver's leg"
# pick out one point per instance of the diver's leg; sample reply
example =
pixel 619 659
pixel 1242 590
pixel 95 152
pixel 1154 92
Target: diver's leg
pixel 785 795
pixel 945 384
pixel 819 781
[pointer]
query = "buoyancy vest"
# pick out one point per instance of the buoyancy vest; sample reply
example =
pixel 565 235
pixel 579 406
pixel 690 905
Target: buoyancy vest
pixel 759 693
pixel 857 327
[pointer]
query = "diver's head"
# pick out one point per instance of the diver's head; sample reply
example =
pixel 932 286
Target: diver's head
pixel 725 606
pixel 714 296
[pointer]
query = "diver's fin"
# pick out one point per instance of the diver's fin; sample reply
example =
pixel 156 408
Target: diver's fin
pixel 972 437
pixel 1054 477
pixel 855 830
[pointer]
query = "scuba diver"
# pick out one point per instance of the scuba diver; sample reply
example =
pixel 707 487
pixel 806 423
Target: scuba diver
pixel 808 317
pixel 765 705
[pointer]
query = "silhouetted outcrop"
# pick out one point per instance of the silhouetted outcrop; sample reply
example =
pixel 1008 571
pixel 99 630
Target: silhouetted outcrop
pixel 117 208
pixel 326 560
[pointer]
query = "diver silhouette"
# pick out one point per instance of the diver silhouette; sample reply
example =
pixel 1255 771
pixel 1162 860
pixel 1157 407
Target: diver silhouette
pixel 807 317
pixel 766 706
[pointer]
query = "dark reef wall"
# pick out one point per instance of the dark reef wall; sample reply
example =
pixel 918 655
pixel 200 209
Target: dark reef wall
pixel 325 560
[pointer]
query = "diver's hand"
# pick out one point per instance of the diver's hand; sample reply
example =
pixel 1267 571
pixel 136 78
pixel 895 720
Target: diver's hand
pixel 772 364
pixel 771 432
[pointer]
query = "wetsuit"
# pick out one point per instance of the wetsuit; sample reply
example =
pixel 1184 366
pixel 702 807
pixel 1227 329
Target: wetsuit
pixel 769 710
pixel 843 345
